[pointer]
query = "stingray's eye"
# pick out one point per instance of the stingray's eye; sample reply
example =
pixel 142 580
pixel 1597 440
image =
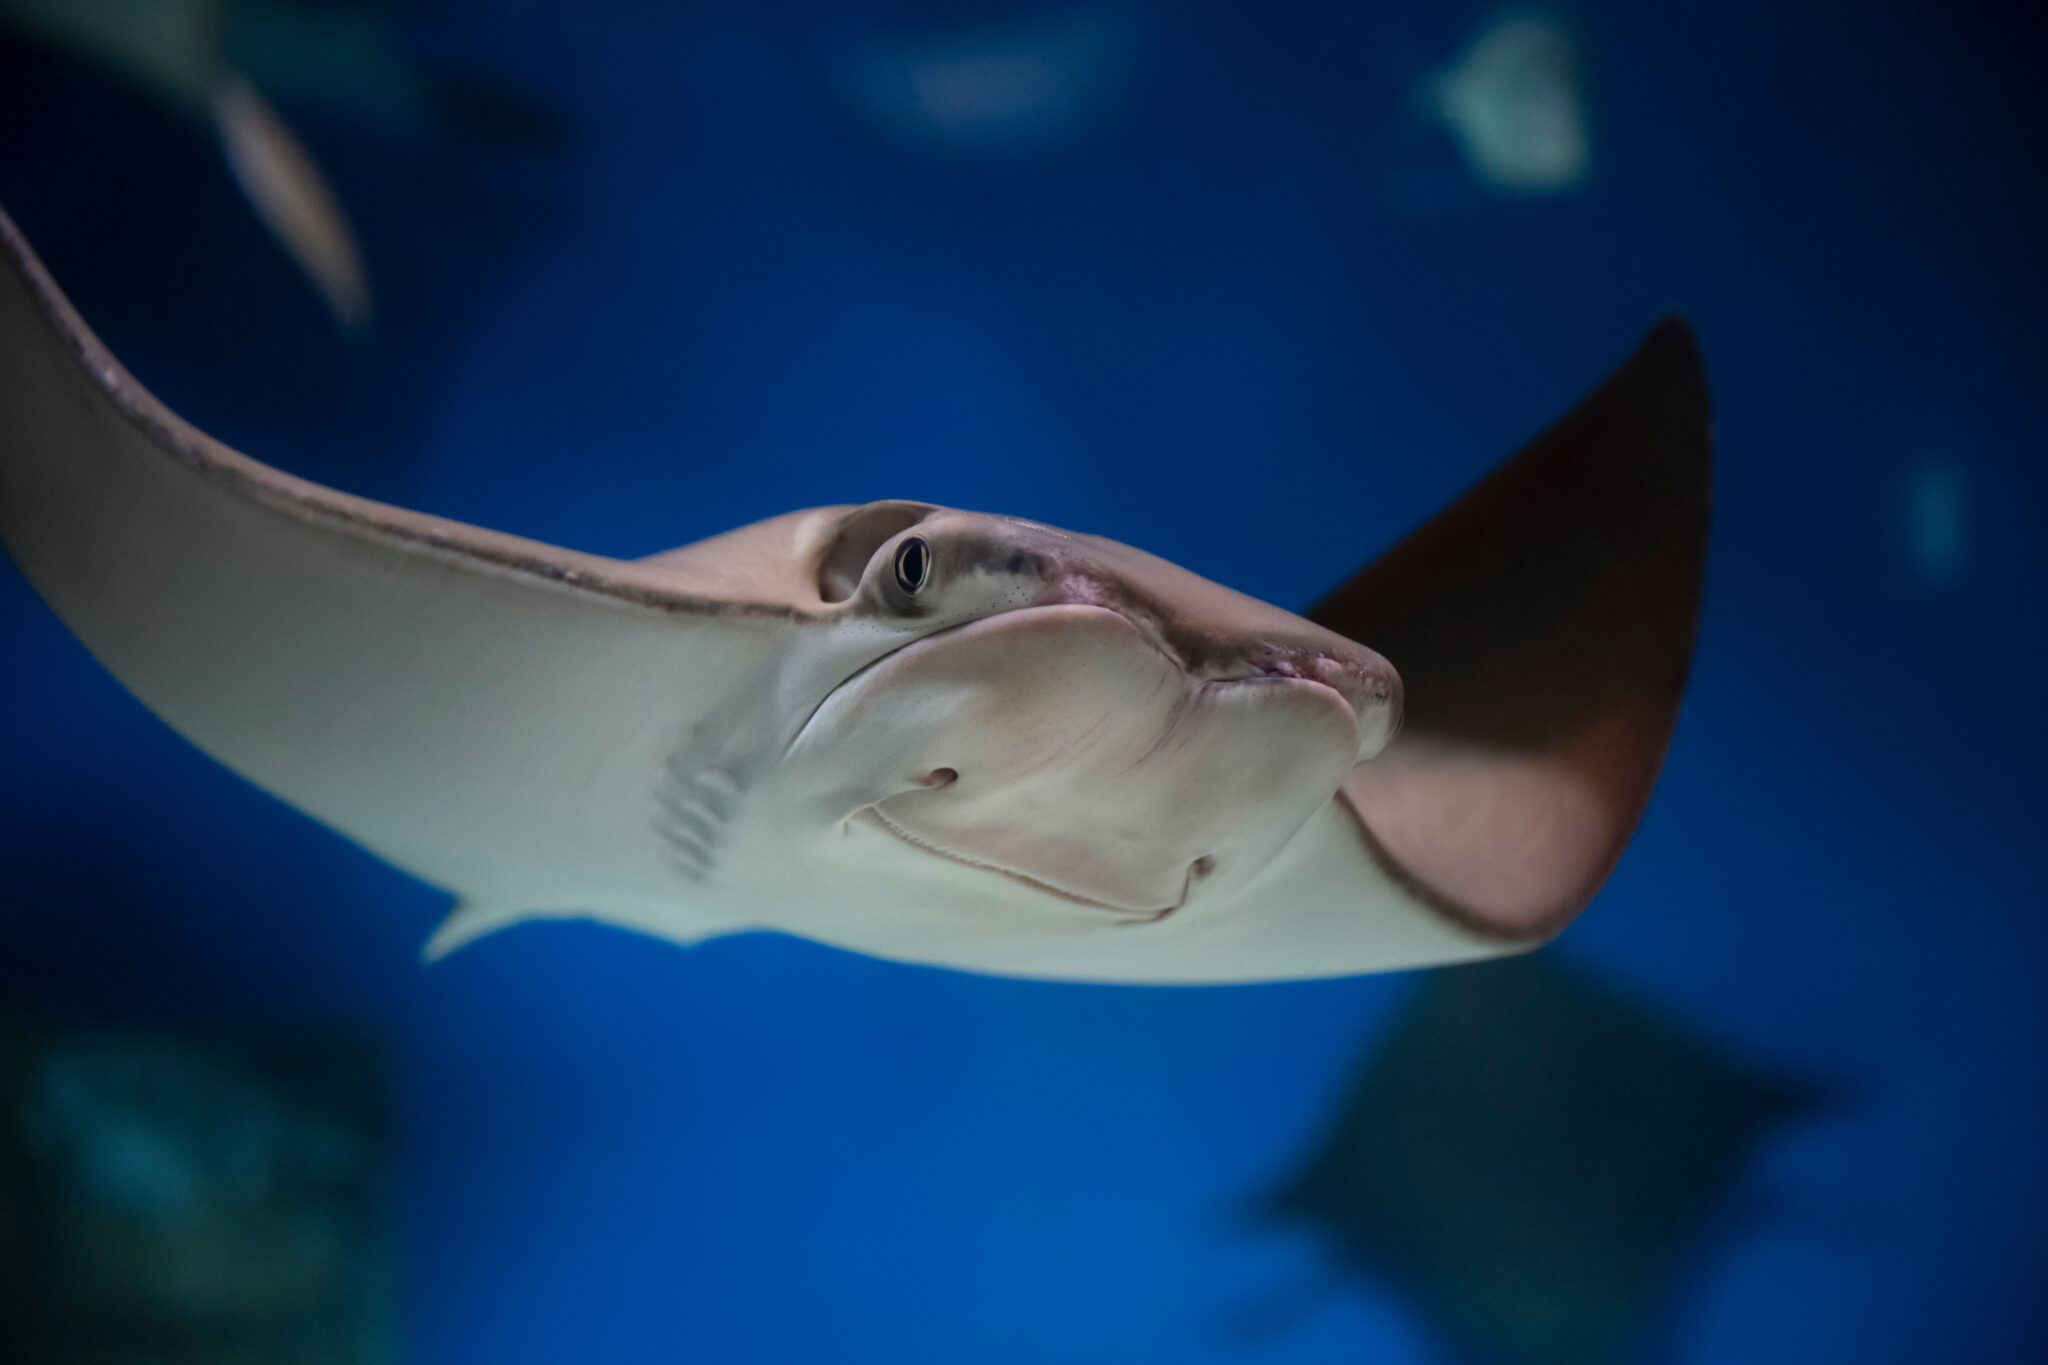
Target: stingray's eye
pixel 913 565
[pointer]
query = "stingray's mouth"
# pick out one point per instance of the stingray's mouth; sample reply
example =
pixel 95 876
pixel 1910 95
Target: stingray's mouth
pixel 1127 913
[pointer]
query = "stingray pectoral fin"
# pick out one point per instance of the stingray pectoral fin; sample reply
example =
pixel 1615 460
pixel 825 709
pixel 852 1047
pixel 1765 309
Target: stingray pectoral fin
pixel 485 711
pixel 1543 627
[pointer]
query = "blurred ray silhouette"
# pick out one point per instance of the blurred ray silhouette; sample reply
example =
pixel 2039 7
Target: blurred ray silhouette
pixel 1529 1158
pixel 1515 103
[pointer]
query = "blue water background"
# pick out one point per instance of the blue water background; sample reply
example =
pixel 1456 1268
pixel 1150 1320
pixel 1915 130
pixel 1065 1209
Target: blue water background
pixel 1248 313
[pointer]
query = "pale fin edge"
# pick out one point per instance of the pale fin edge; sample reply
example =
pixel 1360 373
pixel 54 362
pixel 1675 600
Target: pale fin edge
pixel 471 920
pixel 476 917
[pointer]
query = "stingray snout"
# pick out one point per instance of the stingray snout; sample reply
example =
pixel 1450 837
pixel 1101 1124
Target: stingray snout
pixel 1367 683
pixel 1220 635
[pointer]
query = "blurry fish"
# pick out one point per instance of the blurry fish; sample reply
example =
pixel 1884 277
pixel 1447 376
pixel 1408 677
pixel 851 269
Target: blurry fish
pixel 1528 1157
pixel 291 197
pixel 345 53
pixel 1935 508
pixel 194 1197
pixel 171 47
pixel 1516 105
pixel 1016 86
pixel 177 50
pixel 212 58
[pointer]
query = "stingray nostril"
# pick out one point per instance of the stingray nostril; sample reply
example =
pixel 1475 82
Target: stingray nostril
pixel 939 777
pixel 1201 867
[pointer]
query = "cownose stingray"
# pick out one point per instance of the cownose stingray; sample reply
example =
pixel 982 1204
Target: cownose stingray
pixel 915 732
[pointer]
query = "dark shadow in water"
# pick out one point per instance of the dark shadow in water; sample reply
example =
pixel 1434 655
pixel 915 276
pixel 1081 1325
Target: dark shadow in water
pixel 1531 1160
pixel 194 1199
